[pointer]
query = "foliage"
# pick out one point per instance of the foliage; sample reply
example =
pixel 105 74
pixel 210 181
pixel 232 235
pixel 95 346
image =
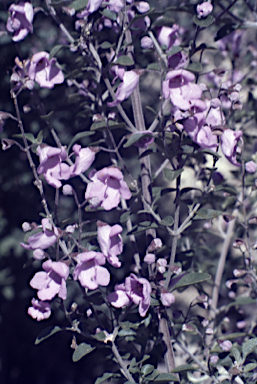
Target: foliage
pixel 135 129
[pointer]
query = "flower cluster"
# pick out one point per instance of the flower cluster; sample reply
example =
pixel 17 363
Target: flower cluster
pixel 199 117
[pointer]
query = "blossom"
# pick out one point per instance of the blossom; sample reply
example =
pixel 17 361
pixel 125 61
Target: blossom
pixel 167 298
pixel 161 265
pixel 42 240
pixel 84 159
pixel 44 71
pixel 20 20
pixel 115 5
pixel 146 42
pixel 51 165
pixel 178 86
pixel 91 7
pixel 52 282
pixel 204 9
pixel 149 258
pixel 136 290
pixel 89 271
pixel 250 166
pixel 107 188
pixel 168 36
pixel 40 310
pixel 206 139
pixel 126 88
pixel 229 140
pixel 110 242
pixel 19 77
pixel 225 345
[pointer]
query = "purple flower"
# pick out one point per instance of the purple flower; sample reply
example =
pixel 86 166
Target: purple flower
pixel 40 310
pixel 52 282
pixel 178 86
pixel 107 188
pixel 19 77
pixel 204 9
pixel 42 240
pixel 206 139
pixel 136 290
pixel 168 36
pixel 149 258
pixel 51 165
pixel 89 271
pixel 229 140
pixel 146 42
pixel 126 87
pixel 250 166
pixel 115 5
pixel 167 298
pixel 225 345
pixel 44 71
pixel 84 159
pixel 91 7
pixel 110 241
pixel 20 20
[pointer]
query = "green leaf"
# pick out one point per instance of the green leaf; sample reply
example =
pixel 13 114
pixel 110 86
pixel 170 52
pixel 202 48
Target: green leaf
pixel 55 50
pixel 105 376
pixel 147 369
pixel 236 353
pixel 191 278
pixel 109 14
pixel 102 125
pixel 126 332
pixel 171 175
pixel 81 350
pixel 29 136
pixel 175 49
pixel 195 67
pixel 47 332
pixel 153 375
pixel 183 368
pixel 248 347
pixel 48 116
pixel 249 367
pixel 100 336
pixel 153 67
pixel 242 301
pixel 210 152
pixel 222 188
pixel 40 137
pixel 124 217
pixel 207 214
pixel 130 382
pixel 106 45
pixel 124 60
pixel 79 136
pixel 232 336
pixel 204 23
pixel 167 221
pixel 136 137
pixel 142 227
pixel 163 377
pixel 225 30
pixel 78 4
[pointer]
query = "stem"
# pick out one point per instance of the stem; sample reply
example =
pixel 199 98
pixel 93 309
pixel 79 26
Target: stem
pixel 122 365
pixel 169 354
pixel 219 274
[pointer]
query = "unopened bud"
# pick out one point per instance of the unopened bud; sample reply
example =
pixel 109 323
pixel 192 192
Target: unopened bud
pixel 225 345
pixel 154 245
